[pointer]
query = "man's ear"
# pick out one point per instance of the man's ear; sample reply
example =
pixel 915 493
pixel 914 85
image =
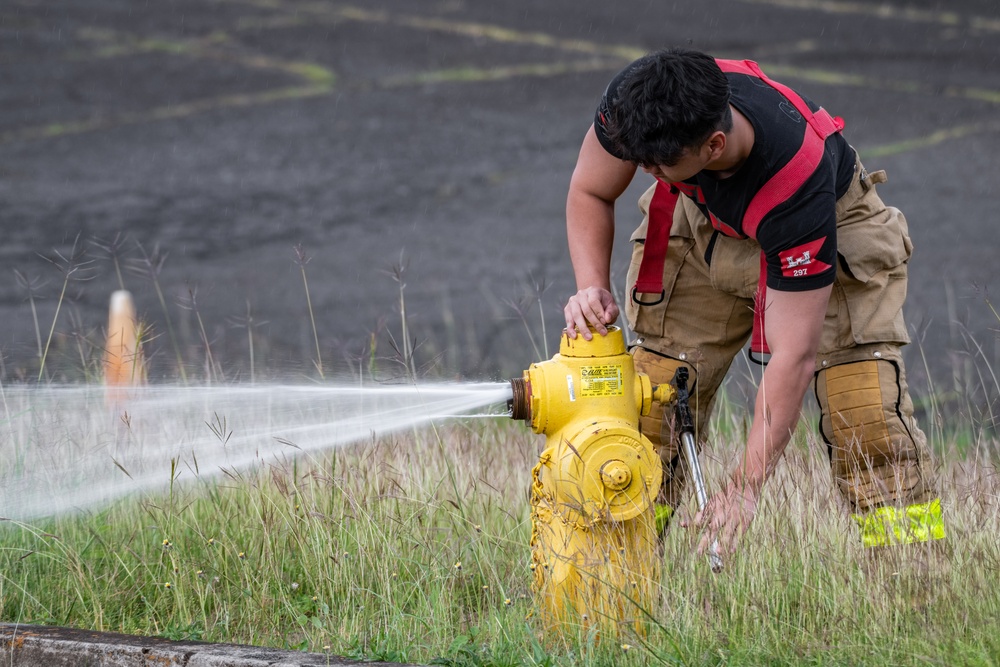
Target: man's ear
pixel 716 143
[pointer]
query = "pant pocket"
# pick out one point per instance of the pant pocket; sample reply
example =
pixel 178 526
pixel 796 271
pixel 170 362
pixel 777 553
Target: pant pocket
pixel 649 319
pixel 874 244
pixel 874 247
pixel 735 266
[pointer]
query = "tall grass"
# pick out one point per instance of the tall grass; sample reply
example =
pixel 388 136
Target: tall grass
pixel 415 548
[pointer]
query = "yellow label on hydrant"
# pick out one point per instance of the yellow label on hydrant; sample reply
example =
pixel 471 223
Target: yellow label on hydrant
pixel 603 380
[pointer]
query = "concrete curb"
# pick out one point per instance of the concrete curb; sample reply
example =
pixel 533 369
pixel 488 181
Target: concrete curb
pixel 44 646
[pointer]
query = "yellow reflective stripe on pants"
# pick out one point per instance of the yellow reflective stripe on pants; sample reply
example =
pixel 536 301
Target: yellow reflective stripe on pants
pixel 885 526
pixel 662 514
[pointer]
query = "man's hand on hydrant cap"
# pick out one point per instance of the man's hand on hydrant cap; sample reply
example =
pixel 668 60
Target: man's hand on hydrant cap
pixel 726 517
pixel 591 306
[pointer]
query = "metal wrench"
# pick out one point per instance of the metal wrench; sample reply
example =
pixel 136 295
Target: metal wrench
pixel 685 425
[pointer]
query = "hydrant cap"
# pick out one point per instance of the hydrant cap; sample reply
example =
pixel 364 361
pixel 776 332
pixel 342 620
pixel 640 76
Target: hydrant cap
pixel 610 345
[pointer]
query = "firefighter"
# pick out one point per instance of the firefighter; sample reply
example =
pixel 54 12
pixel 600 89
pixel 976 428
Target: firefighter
pixel 761 224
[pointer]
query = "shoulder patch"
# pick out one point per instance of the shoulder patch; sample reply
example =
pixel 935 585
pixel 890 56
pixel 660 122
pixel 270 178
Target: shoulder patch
pixel 801 261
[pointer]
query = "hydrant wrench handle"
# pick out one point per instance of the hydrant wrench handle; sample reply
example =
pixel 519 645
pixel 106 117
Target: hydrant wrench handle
pixel 686 426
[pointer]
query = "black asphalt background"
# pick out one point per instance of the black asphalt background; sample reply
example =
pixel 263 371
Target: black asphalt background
pixel 440 135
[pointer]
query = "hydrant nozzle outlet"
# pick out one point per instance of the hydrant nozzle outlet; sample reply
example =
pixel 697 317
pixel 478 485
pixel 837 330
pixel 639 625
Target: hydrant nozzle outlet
pixel 520 401
pixel 664 394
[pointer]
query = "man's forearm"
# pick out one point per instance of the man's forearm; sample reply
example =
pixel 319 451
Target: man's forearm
pixel 776 414
pixel 793 325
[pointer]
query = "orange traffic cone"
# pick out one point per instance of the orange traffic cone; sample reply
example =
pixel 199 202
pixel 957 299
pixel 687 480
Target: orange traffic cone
pixel 123 362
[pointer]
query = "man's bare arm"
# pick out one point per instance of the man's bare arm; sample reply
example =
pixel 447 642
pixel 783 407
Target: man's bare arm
pixel 793 323
pixel 597 182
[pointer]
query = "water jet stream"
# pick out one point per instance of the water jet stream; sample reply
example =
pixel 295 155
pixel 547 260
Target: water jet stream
pixel 63 450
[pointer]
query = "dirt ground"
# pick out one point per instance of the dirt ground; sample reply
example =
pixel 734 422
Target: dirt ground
pixel 436 137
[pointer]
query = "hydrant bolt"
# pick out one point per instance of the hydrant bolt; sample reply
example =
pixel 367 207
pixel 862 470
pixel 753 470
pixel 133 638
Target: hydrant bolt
pixel 616 475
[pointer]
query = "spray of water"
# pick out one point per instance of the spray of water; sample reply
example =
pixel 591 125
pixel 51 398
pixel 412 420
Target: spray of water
pixel 64 449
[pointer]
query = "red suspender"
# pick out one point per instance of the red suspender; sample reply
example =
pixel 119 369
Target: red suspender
pixel 758 341
pixel 778 189
pixel 654 252
pixel 797 171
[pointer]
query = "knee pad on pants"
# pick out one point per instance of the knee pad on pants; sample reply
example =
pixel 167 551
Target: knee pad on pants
pixel 661 369
pixel 875 457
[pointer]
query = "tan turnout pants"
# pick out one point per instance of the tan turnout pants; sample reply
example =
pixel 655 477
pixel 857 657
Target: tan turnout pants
pixel 878 455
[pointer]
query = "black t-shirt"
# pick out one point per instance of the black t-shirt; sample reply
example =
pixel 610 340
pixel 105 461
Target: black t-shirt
pixel 798 236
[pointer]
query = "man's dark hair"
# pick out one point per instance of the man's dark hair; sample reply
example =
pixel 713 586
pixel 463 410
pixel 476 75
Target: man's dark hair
pixel 664 103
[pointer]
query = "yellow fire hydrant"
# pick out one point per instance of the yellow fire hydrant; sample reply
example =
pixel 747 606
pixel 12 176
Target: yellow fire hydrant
pixel 593 543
